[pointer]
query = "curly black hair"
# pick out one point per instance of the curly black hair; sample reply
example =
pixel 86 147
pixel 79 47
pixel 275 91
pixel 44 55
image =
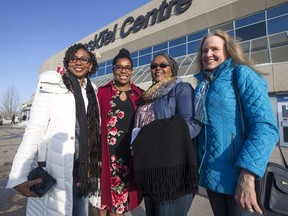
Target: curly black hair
pixel 70 52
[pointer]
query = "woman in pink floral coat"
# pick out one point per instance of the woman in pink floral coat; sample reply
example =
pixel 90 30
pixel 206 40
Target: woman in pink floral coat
pixel 118 101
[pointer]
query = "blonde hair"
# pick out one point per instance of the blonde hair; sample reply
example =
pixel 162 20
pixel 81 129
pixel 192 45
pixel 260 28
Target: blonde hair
pixel 233 50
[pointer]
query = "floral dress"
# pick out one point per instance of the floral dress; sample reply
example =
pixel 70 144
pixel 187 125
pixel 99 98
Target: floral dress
pixel 119 125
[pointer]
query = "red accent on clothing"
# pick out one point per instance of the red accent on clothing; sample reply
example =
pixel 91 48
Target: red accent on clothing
pixel 105 94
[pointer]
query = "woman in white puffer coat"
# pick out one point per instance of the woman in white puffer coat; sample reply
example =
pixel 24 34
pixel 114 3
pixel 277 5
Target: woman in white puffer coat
pixel 64 116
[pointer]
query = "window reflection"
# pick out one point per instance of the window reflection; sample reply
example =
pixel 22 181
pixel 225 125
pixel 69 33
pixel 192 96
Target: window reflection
pixel 264 39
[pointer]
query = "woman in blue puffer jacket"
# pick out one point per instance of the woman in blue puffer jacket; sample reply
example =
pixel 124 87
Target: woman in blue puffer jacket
pixel 229 163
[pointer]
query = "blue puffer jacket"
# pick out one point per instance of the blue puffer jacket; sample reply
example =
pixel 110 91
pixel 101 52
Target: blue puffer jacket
pixel 222 150
pixel 178 101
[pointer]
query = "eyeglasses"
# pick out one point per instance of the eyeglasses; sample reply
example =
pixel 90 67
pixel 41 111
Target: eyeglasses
pixel 120 68
pixel 161 65
pixel 83 60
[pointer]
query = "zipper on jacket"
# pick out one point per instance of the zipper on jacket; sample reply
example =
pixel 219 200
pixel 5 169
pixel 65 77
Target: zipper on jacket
pixel 233 150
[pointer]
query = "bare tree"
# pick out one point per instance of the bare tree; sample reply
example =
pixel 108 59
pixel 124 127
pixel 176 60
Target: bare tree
pixel 9 102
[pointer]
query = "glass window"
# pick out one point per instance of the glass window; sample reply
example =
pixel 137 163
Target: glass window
pixel 279 24
pixel 134 54
pixel 193 46
pixel 146 59
pixel 177 41
pixel 93 75
pixel 160 51
pixel 145 51
pixel 100 65
pixel 252 31
pixel 279 47
pixel 109 69
pixel 135 62
pixel 109 62
pixel 160 46
pixel 259 44
pixel 259 49
pixel 197 35
pixel 224 27
pixel 178 51
pixel 283 9
pixel 231 33
pixel 279 54
pixel 100 72
pixel 245 47
pixel 250 19
pixel 278 40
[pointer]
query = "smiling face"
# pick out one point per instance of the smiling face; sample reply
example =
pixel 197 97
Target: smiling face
pixel 160 69
pixel 122 71
pixel 80 64
pixel 213 52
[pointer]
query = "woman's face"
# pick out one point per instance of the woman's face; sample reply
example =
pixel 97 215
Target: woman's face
pixel 160 69
pixel 122 71
pixel 213 52
pixel 80 64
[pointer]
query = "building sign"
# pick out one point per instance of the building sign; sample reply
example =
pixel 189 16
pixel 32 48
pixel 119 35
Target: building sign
pixel 133 25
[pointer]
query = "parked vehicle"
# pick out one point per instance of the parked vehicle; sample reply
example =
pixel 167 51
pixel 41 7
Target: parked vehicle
pixel 1 120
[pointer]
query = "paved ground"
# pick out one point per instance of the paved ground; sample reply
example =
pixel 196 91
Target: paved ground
pixel 13 204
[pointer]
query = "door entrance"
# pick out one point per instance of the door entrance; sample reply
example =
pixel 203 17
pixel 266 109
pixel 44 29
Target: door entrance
pixel 283 122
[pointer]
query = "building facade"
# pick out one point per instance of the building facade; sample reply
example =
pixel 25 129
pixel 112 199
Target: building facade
pixel 177 27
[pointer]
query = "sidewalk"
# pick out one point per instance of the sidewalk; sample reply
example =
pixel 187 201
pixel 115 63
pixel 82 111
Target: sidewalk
pixel 13 204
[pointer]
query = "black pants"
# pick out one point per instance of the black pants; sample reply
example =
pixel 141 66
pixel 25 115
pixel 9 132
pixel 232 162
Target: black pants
pixel 225 205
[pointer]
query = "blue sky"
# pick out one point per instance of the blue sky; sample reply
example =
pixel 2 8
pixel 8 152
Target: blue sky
pixel 34 30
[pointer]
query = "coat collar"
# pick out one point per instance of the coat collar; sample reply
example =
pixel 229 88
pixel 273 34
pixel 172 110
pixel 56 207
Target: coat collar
pixel 226 64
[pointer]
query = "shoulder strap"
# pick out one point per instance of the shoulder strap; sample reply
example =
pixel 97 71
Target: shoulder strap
pixel 42 146
pixel 236 89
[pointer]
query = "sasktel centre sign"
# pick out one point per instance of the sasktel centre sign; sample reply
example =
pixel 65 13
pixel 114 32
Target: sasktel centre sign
pixel 132 25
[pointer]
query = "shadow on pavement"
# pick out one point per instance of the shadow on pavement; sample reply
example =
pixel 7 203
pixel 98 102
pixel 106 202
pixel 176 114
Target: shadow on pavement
pixel 12 203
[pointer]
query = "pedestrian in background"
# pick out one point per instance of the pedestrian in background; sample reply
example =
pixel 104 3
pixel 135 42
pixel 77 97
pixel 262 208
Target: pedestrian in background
pixel 164 160
pixel 230 162
pixel 118 101
pixel 13 119
pixel 65 118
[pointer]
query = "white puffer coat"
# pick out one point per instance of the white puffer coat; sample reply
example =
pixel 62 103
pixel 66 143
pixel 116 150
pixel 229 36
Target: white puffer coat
pixel 52 121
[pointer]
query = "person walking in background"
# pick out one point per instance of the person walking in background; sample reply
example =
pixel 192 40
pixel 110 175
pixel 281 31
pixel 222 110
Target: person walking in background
pixel 13 119
pixel 24 118
pixel 229 163
pixel 65 118
pixel 164 160
pixel 118 101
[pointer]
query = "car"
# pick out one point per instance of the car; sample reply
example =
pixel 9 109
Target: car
pixel 1 120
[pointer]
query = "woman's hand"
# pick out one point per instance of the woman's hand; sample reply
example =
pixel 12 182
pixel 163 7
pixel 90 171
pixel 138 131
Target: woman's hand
pixel 245 194
pixel 24 188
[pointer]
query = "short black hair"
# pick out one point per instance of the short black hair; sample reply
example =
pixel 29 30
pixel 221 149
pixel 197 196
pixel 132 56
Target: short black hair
pixel 70 52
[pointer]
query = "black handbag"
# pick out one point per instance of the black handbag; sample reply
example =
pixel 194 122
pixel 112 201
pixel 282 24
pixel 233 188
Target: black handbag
pixel 272 188
pixel 43 187
pixel 48 181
